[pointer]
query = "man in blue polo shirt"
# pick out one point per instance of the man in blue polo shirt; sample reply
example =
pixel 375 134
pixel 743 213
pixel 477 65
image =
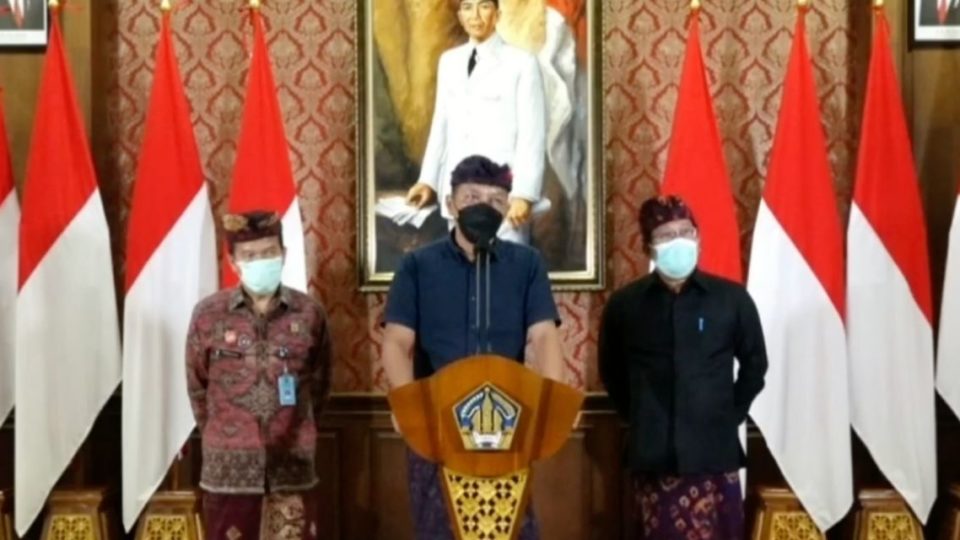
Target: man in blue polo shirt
pixel 467 294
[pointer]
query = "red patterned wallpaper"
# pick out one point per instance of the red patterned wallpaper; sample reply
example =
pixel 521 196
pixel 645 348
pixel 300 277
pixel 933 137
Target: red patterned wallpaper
pixel 314 47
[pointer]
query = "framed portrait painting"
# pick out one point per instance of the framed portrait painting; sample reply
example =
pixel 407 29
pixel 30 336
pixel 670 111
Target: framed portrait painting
pixel 516 81
pixel 935 23
pixel 23 23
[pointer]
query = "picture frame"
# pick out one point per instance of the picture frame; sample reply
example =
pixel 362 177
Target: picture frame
pixel 934 23
pixel 24 23
pixel 397 78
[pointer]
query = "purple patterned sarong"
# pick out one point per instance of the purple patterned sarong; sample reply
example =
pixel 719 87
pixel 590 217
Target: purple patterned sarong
pixel 276 516
pixel 690 507
pixel 430 518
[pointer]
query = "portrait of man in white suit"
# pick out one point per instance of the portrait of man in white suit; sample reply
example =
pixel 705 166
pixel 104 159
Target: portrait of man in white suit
pixel 512 80
pixel 936 21
pixel 940 12
pixel 489 102
pixel 23 14
pixel 23 22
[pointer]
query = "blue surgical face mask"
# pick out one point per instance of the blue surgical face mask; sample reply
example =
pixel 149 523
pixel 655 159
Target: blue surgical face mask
pixel 261 276
pixel 677 259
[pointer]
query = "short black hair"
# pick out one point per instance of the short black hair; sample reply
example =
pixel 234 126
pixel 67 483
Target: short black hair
pixel 482 170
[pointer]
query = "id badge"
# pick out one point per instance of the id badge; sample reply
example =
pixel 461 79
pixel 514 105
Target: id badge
pixel 287 387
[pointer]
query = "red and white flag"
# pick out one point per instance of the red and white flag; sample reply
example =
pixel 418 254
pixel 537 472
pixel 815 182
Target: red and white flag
pixel 171 265
pixel 67 336
pixel 889 306
pixel 948 351
pixel 262 176
pixel 696 169
pixel 796 278
pixel 9 221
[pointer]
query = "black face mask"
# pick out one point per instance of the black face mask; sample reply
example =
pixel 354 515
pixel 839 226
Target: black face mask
pixel 479 223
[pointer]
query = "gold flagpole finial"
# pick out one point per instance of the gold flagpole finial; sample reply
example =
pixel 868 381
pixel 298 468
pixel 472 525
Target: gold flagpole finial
pixel 165 5
pixel 694 5
pixel 803 4
pixel 878 4
pixel 54 4
pixel 254 4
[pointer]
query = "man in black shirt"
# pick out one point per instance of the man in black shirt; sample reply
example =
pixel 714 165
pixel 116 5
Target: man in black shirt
pixel 667 346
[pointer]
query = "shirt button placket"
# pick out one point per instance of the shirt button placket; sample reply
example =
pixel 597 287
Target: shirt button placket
pixel 473 332
pixel 263 364
pixel 678 393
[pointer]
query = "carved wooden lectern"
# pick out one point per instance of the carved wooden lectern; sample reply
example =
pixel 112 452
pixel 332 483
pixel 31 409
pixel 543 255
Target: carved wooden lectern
pixel 484 420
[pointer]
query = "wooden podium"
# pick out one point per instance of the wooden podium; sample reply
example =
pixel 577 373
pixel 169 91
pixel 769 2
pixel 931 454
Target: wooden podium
pixel 484 420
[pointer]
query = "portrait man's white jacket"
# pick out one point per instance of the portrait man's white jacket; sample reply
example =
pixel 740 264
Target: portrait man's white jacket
pixel 499 112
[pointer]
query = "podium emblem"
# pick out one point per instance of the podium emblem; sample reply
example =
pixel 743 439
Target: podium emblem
pixel 487 419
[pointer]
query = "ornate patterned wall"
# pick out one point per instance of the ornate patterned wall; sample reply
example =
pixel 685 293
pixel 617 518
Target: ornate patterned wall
pixel 314 44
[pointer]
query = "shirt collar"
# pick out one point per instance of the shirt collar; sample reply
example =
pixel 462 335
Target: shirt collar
pixel 240 299
pixel 488 48
pixel 696 279
pixel 458 251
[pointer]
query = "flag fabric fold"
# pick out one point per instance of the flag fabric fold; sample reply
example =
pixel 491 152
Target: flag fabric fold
pixel 889 305
pixel 171 265
pixel 67 336
pixel 9 221
pixel 696 169
pixel 797 280
pixel 262 176
pixel 948 350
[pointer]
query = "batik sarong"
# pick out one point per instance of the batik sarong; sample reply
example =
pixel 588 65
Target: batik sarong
pixel 277 516
pixel 689 507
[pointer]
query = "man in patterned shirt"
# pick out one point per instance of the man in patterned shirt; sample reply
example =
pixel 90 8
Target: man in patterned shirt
pixel 258 371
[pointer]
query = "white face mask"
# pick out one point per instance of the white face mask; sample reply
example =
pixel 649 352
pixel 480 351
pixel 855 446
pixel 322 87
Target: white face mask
pixel 677 259
pixel 261 276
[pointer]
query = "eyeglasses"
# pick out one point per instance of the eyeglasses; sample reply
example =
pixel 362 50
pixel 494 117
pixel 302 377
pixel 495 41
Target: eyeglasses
pixel 689 233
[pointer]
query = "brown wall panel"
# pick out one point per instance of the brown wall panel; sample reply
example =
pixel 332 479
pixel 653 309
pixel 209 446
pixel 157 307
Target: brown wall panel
pixel 388 478
pixel 562 491
pixel 329 452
